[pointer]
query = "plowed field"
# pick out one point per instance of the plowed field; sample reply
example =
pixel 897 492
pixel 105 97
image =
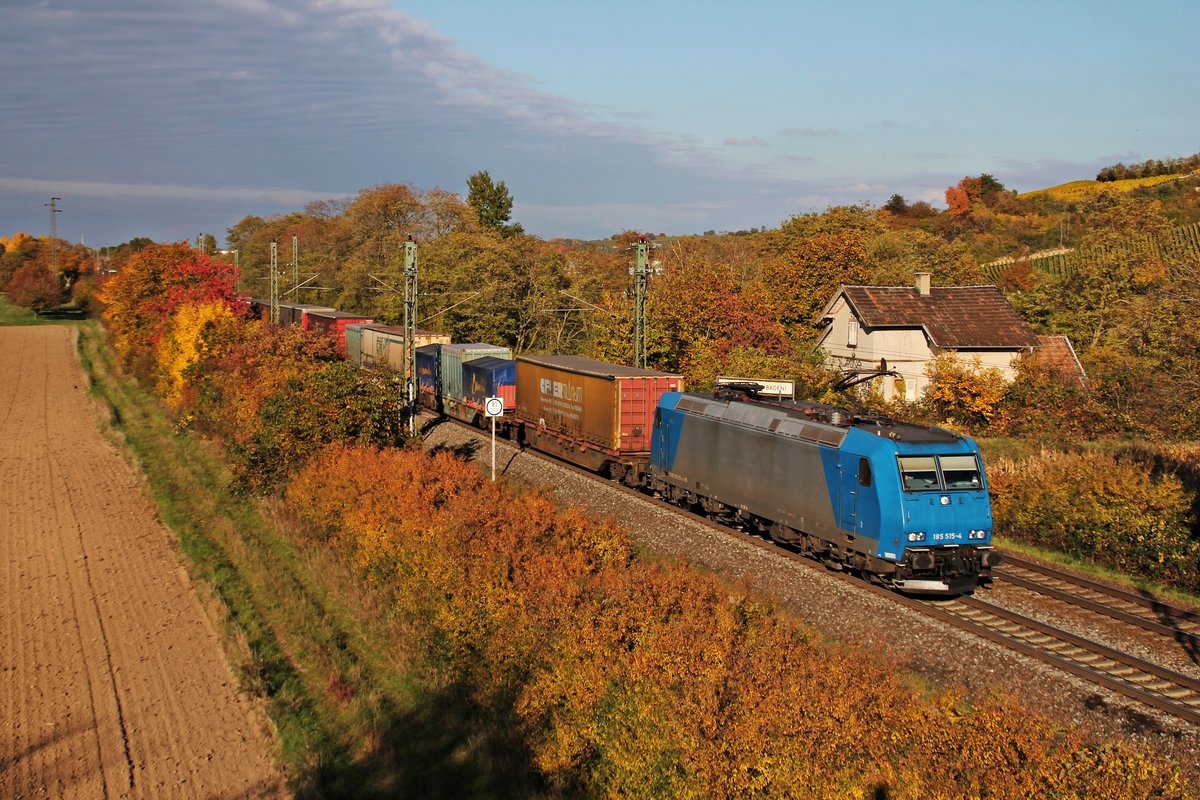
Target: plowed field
pixel 112 680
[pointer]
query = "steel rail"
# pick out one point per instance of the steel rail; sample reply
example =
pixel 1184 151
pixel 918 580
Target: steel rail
pixel 1184 625
pixel 1127 675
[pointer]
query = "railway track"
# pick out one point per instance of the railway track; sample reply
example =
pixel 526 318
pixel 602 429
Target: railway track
pixel 1127 675
pixel 1140 610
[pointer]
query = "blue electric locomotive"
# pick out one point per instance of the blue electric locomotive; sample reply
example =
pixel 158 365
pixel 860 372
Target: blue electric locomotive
pixel 903 504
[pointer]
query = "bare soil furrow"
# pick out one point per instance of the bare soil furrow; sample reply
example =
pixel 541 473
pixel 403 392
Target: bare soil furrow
pixel 116 682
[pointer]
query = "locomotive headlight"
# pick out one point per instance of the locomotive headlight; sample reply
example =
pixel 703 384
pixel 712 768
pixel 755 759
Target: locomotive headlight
pixel 918 536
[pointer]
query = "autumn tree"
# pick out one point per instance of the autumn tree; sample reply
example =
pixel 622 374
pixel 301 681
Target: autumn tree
pixel 897 205
pixel 15 251
pixel 42 272
pixel 155 281
pixel 230 389
pixel 962 391
pixel 197 331
pixel 35 286
pixel 492 202
pixel 809 256
pixel 331 402
pixel 958 201
pixel 207 243
pixel 350 244
pixel 481 286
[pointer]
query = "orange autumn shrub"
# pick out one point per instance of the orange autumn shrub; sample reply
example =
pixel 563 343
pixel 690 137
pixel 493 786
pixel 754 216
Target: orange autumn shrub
pixel 668 684
pixel 487 573
pixel 628 678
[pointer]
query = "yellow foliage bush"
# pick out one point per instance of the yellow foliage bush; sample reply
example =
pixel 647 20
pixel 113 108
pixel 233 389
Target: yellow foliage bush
pixel 198 331
pixel 963 392
pixel 1099 507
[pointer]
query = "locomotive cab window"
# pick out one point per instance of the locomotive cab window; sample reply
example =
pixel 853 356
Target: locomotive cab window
pixel 961 472
pixel 864 472
pixel 918 473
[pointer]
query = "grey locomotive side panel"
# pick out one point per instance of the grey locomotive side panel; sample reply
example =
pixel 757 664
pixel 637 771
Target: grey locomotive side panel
pixel 772 476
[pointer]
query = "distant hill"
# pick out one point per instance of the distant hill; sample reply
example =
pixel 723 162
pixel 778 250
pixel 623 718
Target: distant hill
pixel 1077 191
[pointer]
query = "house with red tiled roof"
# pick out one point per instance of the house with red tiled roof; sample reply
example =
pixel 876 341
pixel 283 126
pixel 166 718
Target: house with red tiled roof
pixel 909 326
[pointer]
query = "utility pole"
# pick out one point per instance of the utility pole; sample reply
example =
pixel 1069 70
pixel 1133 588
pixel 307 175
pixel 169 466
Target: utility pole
pixel 274 282
pixel 410 331
pixel 296 267
pixel 640 280
pixel 54 212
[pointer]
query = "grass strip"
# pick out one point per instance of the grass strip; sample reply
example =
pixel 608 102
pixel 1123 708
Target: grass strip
pixel 16 315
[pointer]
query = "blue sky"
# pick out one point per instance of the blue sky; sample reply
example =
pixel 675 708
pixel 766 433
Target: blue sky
pixel 167 119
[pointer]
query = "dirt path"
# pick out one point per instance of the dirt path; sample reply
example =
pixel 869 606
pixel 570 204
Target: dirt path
pixel 112 681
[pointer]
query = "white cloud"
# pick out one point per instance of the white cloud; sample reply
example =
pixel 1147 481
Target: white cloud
pixel 808 132
pixel 752 141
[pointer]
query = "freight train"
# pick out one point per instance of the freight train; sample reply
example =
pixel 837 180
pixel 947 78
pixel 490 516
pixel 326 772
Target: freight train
pixel 904 505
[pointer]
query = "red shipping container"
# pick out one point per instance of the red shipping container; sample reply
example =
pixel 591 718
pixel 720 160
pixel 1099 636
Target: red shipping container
pixel 333 323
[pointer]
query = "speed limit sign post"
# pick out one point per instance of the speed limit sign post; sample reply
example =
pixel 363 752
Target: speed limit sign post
pixel 493 407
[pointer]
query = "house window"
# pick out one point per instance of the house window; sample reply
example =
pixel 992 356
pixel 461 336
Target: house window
pixel 910 389
pixel 852 333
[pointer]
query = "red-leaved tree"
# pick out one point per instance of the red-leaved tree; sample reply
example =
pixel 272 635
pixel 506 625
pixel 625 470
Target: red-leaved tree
pixel 34 286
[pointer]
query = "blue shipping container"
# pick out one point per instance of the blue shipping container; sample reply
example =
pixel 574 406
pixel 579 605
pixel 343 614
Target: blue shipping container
pixel 429 359
pixel 453 358
pixel 483 377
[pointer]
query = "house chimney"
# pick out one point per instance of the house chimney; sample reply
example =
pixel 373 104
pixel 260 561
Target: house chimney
pixel 923 283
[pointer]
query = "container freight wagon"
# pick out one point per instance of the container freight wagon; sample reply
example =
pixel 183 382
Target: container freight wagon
pixel 452 390
pixel 597 415
pixel 259 308
pixel 332 323
pixel 429 376
pixel 383 345
pixel 296 313
pixel 489 377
